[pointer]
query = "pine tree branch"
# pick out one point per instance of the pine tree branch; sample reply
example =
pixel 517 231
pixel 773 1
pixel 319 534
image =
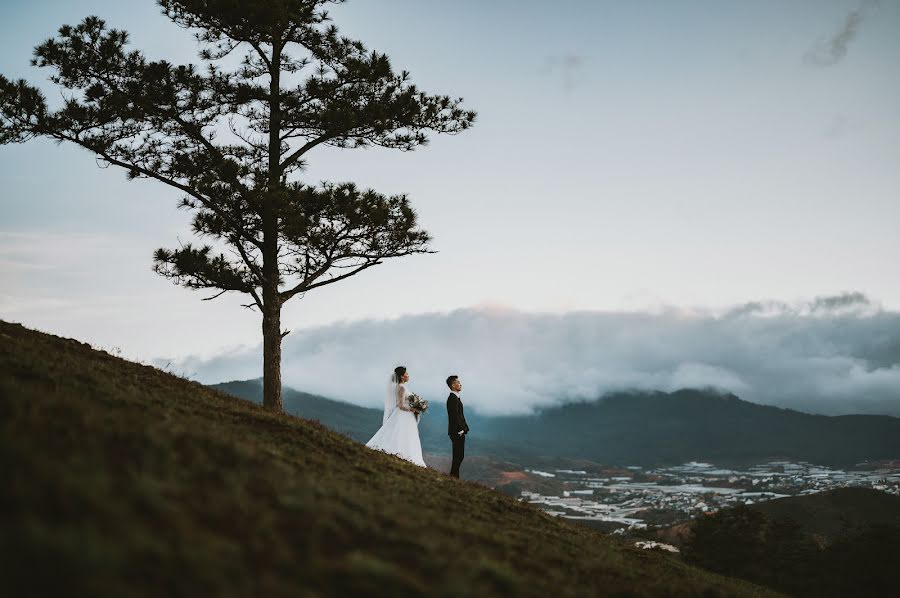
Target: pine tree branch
pixel 256 46
pixel 215 296
pixel 305 286
pixel 251 264
pixel 252 292
pixel 133 167
pixel 306 147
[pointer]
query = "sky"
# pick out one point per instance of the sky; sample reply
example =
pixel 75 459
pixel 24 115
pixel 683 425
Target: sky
pixel 630 160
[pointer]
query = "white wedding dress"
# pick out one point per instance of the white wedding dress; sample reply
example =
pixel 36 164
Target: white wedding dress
pixel 399 433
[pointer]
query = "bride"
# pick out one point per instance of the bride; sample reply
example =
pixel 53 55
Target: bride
pixel 399 432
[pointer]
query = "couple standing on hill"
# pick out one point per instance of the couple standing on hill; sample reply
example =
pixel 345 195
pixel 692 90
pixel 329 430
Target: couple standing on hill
pixel 399 432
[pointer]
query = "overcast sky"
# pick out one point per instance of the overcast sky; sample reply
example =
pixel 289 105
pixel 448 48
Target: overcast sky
pixel 629 158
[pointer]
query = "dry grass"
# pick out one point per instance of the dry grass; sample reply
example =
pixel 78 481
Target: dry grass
pixel 122 480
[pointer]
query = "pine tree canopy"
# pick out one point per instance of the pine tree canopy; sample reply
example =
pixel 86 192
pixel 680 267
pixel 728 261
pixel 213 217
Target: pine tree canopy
pixel 275 80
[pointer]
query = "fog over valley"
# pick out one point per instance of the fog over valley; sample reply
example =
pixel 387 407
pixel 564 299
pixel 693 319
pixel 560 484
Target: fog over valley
pixel 831 355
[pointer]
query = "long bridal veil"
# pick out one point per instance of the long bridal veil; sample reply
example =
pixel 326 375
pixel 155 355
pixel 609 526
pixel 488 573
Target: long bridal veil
pixel 390 398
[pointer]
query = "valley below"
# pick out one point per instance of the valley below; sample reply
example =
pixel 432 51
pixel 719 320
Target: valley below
pixel 633 498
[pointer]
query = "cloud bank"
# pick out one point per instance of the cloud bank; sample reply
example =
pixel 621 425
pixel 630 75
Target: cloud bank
pixel 832 355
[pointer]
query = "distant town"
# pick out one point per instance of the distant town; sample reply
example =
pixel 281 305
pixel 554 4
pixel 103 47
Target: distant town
pixel 633 497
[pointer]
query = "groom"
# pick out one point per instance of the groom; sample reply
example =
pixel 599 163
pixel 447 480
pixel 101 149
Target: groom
pixel 457 428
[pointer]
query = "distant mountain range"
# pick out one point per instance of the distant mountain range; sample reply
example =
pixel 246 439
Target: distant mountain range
pixel 631 428
pixel 663 428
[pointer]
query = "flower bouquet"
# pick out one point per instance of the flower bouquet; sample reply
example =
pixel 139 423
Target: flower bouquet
pixel 417 403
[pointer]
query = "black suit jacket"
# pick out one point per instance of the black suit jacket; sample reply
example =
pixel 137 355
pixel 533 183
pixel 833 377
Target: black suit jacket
pixel 456 419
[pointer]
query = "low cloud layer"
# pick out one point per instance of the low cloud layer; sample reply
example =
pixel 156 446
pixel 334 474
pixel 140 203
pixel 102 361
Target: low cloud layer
pixel 832 355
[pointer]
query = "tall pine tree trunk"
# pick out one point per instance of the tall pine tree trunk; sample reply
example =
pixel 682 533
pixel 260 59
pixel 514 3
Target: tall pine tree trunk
pixel 271 277
pixel 271 329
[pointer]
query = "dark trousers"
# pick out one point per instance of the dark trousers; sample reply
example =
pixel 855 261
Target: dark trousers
pixel 459 452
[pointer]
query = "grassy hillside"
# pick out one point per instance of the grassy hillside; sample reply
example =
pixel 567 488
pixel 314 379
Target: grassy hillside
pixel 121 480
pixel 360 423
pixel 835 543
pixel 836 513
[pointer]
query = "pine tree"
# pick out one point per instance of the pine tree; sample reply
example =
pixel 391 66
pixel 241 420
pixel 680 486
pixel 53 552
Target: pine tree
pixel 232 140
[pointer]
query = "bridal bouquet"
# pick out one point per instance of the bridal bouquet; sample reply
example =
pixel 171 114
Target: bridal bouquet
pixel 417 403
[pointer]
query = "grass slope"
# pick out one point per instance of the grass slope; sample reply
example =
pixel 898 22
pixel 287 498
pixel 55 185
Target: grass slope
pixel 121 480
pixel 838 512
pixel 838 543
pixel 360 423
